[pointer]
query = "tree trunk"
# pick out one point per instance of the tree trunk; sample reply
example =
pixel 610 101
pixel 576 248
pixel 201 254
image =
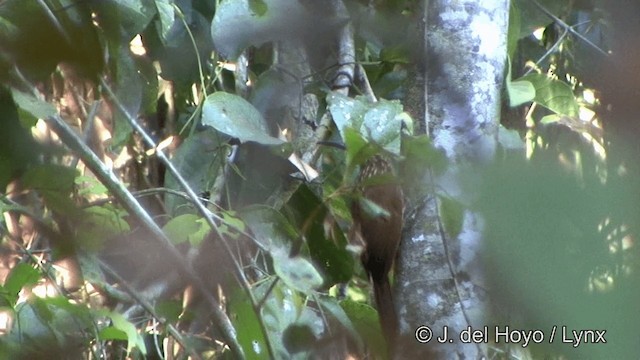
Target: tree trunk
pixel 439 276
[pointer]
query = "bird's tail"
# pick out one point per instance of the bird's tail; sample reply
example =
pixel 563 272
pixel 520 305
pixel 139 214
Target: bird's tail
pixel 386 311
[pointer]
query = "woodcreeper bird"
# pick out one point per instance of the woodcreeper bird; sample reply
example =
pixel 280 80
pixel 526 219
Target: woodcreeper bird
pixel 381 234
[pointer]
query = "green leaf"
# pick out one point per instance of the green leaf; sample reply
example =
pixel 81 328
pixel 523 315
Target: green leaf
pixel 297 272
pixel 186 227
pixel 520 92
pixel 167 16
pixel 553 94
pixel 247 324
pixel 230 220
pixel 133 338
pixel 327 247
pixel 20 276
pixel 380 122
pixel 331 306
pixel 112 333
pixel 359 150
pixel 452 213
pixel 232 115
pixel 366 322
pixel 123 19
pixel 88 185
pixel 34 106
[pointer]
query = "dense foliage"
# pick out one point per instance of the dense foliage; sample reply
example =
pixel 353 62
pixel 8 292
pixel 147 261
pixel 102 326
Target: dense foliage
pixel 239 244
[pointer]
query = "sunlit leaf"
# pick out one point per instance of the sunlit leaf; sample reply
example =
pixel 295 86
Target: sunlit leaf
pixel 381 122
pixel 21 275
pixel 133 338
pixel 553 94
pixel 186 227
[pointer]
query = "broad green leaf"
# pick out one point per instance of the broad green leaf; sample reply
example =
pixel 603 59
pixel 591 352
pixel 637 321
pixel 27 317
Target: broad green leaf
pixel 520 92
pixel 247 324
pixel 358 152
pixel 167 16
pixel 553 94
pixel 112 333
pixel 230 220
pixel 21 275
pixel 133 338
pixel 34 106
pixel 297 272
pixel 550 119
pixel 452 214
pixel 186 227
pixel 380 122
pixel 366 322
pixel 123 19
pixel 514 29
pixel 232 115
pixel 88 185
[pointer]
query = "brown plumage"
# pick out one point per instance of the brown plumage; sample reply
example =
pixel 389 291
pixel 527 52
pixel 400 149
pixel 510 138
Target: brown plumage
pixel 381 234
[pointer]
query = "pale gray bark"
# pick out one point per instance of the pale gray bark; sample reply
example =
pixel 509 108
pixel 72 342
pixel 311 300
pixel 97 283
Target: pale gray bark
pixel 440 278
